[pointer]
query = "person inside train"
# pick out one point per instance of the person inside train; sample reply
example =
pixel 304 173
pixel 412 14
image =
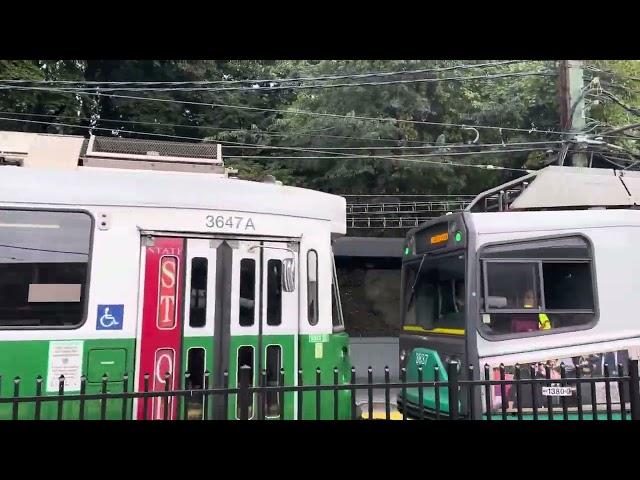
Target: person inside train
pixel 524 322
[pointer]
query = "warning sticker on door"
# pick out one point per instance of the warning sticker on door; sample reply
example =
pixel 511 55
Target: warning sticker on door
pixel 65 358
pixel 319 350
pixel 320 337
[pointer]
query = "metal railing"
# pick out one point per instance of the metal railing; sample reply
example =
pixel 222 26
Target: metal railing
pixel 400 212
pixel 385 222
pixel 462 395
pixel 435 206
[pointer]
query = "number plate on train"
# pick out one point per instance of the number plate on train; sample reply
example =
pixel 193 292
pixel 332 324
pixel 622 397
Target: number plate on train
pixel 229 222
pixel 557 391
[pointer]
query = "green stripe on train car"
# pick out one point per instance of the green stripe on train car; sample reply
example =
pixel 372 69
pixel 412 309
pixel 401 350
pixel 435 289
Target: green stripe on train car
pixel 287 343
pixel 325 352
pixel 29 359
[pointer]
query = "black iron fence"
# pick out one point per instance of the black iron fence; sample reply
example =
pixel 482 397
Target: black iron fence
pixel 462 395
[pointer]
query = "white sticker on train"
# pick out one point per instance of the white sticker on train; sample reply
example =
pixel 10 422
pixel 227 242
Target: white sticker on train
pixel 65 358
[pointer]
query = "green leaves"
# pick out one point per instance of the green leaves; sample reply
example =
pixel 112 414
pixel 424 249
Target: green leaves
pixel 515 101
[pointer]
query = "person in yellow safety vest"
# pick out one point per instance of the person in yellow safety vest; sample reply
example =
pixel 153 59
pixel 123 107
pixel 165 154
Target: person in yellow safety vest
pixel 530 302
pixel 543 322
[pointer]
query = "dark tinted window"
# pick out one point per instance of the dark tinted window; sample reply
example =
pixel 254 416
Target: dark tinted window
pixel 198 305
pixel 247 291
pixel 567 286
pixel 312 287
pixel 245 358
pixel 274 363
pixel 196 368
pixel 44 261
pixel 274 292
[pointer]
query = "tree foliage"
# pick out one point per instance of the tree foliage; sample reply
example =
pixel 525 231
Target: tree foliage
pixel 409 114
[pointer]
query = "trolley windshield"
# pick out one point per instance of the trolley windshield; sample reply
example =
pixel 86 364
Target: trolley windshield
pixel 434 293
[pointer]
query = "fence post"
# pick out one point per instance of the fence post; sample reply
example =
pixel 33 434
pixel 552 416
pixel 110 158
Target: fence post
pixel 243 393
pixel 634 390
pixel 353 394
pixel 452 385
pixel 318 391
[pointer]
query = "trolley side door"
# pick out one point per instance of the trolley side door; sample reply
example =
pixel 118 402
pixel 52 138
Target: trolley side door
pixel 279 324
pixel 240 346
pixel 198 348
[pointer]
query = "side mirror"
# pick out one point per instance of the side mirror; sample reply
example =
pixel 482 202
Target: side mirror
pixel 288 275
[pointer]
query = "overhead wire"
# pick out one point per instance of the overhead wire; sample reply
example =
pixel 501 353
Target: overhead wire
pixel 533 129
pixel 399 157
pixel 243 145
pixel 436 147
pixel 180 125
pixel 612 73
pixel 330 154
pixel 304 133
pixel 264 80
pixel 233 144
pixel 267 89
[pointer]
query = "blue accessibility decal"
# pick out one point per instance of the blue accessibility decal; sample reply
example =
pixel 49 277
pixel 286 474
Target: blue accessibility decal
pixel 110 317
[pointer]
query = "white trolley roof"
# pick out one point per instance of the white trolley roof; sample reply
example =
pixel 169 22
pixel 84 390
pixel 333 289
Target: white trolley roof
pixel 558 187
pixel 147 182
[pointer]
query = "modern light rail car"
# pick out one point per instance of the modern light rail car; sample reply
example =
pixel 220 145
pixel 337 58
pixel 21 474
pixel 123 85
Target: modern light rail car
pixel 539 271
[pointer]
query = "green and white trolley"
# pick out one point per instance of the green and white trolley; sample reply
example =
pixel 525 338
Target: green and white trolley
pixel 131 257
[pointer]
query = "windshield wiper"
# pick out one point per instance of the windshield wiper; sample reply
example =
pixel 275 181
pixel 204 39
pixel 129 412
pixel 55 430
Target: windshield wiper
pixel 415 281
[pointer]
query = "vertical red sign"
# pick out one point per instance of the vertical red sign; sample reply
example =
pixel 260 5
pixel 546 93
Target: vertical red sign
pixel 160 341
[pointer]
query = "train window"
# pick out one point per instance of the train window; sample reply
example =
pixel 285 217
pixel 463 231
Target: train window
pixel 274 292
pixel 434 292
pixel 312 287
pixel 336 304
pixel 196 369
pixel 198 305
pixel 274 363
pixel 247 291
pixel 245 357
pixel 512 286
pixel 44 263
pixel 408 281
pixel 537 286
pixel 567 286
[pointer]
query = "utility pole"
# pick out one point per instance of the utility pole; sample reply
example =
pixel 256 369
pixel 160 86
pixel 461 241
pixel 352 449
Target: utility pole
pixel 571 85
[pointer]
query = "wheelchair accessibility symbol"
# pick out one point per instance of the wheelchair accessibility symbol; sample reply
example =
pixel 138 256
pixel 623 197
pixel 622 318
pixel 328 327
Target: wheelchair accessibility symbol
pixel 110 317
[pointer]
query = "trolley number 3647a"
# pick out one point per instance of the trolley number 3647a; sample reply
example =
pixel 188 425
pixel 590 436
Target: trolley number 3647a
pixel 233 223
